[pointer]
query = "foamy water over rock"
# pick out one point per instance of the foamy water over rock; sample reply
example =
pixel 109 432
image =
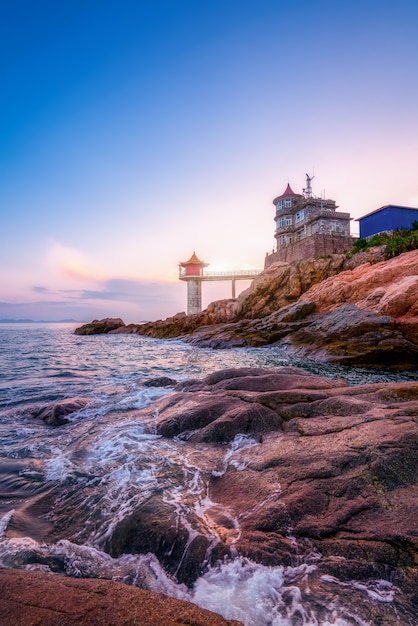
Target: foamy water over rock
pixel 281 496
pixel 272 496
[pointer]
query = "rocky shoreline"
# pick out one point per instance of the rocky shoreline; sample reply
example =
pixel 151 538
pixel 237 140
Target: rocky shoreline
pixel 360 312
pixel 329 486
pixel 327 489
pixel 333 469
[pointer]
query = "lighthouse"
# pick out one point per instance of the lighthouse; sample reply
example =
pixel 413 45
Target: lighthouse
pixel 192 272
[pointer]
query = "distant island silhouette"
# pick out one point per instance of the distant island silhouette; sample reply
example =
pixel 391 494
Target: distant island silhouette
pixel 30 321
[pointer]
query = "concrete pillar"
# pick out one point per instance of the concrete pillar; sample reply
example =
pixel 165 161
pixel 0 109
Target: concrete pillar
pixel 233 288
pixel 194 296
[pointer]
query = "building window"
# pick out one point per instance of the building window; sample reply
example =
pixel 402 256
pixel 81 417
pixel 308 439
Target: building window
pixel 287 204
pixel 300 216
pixel 280 223
pixel 288 221
pixel 280 204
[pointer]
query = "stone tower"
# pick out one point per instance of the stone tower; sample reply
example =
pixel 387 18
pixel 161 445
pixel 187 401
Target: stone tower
pixel 192 272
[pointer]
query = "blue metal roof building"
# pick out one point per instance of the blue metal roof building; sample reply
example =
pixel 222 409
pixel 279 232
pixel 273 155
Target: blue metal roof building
pixel 389 217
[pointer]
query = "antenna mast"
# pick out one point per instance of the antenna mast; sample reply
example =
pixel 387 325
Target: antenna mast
pixel 308 189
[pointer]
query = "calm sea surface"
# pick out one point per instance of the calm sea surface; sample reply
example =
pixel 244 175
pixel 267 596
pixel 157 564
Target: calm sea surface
pixel 100 467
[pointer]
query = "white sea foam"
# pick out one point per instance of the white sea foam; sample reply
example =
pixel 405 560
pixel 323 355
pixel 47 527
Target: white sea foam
pixel 253 594
pixel 4 522
pixel 88 562
pixel 380 590
pixel 59 465
pixel 138 399
pixel 235 454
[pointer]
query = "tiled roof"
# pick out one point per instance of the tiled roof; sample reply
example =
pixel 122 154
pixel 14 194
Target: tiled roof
pixel 289 191
pixel 194 260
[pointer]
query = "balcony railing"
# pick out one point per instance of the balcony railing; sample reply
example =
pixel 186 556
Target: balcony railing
pixel 224 275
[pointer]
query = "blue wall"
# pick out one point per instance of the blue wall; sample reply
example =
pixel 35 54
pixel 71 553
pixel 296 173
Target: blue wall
pixel 387 218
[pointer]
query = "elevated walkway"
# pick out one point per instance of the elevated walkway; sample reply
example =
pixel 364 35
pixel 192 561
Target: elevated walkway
pixel 232 275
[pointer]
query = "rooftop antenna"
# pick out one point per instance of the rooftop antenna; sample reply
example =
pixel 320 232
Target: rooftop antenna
pixel 308 189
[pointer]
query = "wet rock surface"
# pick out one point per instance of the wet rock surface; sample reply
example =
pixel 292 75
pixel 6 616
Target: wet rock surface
pixel 39 599
pixel 278 466
pixel 331 477
pixel 56 413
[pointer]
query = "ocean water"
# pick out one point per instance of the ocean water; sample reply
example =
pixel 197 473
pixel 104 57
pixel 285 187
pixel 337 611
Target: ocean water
pixel 64 491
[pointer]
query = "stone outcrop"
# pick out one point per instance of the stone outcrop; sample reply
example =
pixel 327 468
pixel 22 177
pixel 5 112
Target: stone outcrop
pixel 366 315
pixel 96 327
pixel 282 284
pixel 329 477
pixel 56 413
pixel 388 288
pixel 216 313
pixel 41 599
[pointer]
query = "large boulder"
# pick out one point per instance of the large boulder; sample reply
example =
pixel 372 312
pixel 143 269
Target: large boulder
pixel 56 413
pixel 43 599
pixel 352 336
pixel 97 327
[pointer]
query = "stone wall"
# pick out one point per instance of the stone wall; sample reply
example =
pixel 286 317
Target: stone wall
pixel 312 247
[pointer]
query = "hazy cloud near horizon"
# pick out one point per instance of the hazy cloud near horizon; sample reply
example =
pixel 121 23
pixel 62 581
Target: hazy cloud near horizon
pixel 118 298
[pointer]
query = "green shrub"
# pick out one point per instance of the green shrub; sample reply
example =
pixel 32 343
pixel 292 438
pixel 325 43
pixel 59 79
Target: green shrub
pixel 378 240
pixel 402 240
pixel 359 245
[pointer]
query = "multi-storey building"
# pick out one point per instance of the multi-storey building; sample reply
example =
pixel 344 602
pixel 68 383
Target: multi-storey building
pixel 308 227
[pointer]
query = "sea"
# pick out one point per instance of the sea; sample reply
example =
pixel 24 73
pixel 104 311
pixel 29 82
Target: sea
pixel 79 481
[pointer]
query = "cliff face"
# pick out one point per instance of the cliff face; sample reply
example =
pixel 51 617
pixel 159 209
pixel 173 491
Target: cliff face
pixel 388 288
pixel 359 311
pixel 282 284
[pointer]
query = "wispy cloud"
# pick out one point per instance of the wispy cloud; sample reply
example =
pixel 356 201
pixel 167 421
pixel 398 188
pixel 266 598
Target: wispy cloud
pixel 71 286
pixel 72 263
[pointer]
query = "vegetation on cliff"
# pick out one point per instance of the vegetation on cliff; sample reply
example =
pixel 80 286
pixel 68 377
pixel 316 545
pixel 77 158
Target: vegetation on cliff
pixel 398 242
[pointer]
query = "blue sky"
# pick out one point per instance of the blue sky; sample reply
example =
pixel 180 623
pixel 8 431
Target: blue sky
pixel 132 133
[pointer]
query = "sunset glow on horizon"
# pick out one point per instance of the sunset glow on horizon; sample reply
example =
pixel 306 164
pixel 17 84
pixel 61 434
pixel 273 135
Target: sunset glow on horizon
pixel 133 133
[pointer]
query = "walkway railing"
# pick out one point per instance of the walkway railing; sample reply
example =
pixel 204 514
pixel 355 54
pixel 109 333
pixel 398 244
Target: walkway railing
pixel 225 275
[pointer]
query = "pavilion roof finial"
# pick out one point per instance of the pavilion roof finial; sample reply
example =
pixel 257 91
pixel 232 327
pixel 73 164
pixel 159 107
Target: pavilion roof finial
pixel 194 260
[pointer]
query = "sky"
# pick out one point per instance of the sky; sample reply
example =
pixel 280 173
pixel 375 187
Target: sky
pixel 133 133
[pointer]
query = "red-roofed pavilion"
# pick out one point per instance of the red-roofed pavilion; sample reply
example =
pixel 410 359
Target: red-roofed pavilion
pixel 193 267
